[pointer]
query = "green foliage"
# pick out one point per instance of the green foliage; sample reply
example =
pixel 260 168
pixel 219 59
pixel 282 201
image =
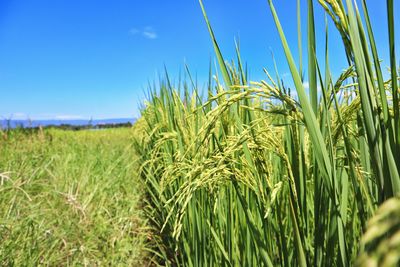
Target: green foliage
pixel 69 198
pixel 252 176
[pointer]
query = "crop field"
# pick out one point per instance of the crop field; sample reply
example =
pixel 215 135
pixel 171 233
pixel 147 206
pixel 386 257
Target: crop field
pixel 69 198
pixel 241 173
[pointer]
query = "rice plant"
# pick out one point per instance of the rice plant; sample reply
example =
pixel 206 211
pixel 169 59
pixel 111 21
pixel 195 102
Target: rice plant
pixel 246 174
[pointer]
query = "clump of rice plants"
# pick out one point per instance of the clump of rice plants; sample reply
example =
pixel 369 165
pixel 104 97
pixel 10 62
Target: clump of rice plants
pixel 251 176
pixel 380 244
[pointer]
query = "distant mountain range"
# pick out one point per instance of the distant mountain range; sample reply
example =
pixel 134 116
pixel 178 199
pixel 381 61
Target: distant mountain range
pixel 35 123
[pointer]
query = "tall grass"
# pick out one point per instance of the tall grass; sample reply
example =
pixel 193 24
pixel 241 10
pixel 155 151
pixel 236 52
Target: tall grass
pixel 249 175
pixel 69 198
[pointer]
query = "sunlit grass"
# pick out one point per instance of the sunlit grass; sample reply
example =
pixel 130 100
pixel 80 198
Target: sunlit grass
pixel 251 176
pixel 69 198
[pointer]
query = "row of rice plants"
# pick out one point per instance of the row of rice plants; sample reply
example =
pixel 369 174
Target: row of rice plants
pixel 250 175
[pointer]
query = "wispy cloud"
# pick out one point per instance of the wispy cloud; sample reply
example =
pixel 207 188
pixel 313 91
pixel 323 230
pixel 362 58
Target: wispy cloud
pixel 150 35
pixel 133 31
pixel 19 116
pixel 14 116
pixel 307 86
pixel 43 116
pixel 69 117
pixel 147 32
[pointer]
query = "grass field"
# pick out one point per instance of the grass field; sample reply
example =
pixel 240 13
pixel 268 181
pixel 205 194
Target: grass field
pixel 70 198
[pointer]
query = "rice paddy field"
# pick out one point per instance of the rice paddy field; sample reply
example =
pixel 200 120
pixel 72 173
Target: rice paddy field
pixel 243 173
pixel 70 198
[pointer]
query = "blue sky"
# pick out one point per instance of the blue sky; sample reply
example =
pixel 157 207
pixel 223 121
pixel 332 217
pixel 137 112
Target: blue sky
pixel 70 59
